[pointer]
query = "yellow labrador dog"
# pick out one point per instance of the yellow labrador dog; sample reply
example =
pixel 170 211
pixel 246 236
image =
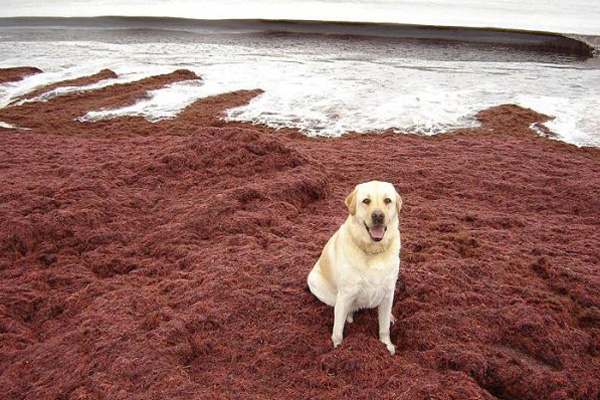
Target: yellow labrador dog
pixel 359 265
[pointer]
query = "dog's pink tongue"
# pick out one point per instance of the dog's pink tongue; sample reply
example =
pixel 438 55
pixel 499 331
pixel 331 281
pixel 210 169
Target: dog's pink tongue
pixel 376 232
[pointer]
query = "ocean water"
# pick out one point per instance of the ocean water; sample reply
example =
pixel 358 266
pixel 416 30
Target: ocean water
pixel 324 82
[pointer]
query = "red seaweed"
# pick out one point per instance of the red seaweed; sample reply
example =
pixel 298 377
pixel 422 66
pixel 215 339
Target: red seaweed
pixel 168 260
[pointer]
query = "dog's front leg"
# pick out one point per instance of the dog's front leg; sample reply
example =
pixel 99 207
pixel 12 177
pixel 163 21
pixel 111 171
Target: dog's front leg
pixel 384 311
pixel 343 302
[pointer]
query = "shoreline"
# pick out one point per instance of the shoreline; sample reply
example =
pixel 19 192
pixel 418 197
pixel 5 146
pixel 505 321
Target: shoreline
pixel 170 258
pixel 125 94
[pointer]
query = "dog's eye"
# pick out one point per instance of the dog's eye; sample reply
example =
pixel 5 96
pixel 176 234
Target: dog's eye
pixel 387 201
pixel 366 201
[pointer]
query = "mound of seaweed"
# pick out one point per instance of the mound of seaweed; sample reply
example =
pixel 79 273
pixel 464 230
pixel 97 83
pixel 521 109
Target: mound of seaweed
pixel 155 217
pixel 17 73
pixel 172 263
pixel 80 81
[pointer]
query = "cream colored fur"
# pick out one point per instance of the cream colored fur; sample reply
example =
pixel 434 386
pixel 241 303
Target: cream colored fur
pixel 354 270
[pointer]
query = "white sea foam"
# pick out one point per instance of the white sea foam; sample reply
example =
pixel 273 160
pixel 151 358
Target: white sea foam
pixel 159 104
pixel 572 124
pixel 6 125
pixel 328 91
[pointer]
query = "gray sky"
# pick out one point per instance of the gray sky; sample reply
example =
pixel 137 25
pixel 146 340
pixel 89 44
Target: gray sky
pixel 576 16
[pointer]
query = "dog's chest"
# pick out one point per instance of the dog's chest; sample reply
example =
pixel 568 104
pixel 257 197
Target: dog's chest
pixel 375 282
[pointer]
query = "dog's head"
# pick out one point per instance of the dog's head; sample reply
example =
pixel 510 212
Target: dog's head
pixel 374 205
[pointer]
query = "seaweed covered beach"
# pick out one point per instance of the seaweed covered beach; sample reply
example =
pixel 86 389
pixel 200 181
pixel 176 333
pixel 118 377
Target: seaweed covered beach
pixel 159 260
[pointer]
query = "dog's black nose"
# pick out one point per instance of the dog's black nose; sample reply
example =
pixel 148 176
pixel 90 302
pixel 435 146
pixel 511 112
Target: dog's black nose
pixel 377 217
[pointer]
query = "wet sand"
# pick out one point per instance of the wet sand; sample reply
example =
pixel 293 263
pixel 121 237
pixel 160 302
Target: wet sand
pixel 143 261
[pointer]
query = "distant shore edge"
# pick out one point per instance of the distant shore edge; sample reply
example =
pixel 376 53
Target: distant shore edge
pixel 542 41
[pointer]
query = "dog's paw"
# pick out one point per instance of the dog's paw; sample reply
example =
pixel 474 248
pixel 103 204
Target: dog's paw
pixel 350 317
pixel 385 339
pixel 336 340
pixel 391 348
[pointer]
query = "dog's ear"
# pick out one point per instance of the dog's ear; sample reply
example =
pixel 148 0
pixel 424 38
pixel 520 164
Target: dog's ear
pixel 351 202
pixel 398 202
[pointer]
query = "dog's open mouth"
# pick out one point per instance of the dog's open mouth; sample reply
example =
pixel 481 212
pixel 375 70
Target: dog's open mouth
pixel 376 232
